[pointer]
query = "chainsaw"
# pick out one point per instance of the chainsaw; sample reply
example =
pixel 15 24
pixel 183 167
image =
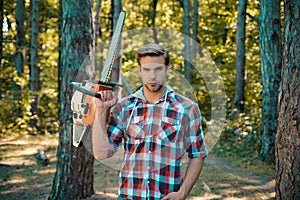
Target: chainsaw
pixel 81 104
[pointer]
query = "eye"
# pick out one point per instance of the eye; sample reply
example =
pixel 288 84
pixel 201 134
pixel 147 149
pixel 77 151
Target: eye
pixel 159 68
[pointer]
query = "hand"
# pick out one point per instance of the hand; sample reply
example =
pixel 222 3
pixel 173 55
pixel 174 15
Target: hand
pixel 174 196
pixel 108 99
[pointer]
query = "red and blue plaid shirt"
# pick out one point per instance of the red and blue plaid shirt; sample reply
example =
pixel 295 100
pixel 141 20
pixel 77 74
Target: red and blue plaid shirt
pixel 155 136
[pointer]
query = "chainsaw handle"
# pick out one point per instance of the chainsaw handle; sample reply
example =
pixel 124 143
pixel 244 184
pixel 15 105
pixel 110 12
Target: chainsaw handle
pixel 97 95
pixel 85 90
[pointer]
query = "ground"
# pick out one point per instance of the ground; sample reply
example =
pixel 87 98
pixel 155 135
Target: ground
pixel 23 177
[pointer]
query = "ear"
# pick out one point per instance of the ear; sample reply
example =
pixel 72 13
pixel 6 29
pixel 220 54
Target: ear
pixel 167 69
pixel 139 69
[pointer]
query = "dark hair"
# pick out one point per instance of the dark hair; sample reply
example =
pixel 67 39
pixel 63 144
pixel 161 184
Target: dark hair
pixel 153 50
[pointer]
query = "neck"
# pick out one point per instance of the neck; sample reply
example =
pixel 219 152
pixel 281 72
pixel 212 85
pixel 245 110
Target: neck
pixel 153 97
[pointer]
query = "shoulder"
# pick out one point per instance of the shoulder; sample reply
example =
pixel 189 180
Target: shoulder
pixel 184 101
pixel 125 102
pixel 187 106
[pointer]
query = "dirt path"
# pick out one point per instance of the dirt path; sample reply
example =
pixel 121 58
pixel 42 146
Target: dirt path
pixel 22 178
pixel 220 179
pixel 223 180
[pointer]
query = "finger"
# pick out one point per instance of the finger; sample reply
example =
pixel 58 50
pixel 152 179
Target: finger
pixel 96 102
pixel 111 100
pixel 166 197
pixel 114 97
pixel 103 95
pixel 108 95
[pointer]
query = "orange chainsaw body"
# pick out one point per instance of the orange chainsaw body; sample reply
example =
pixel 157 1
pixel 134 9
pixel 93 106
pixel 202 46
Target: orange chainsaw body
pixel 89 115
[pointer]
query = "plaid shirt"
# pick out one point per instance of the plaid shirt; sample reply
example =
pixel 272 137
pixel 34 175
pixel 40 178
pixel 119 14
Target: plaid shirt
pixel 156 136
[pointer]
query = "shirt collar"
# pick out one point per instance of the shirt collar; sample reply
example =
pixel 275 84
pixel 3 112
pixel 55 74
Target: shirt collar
pixel 169 92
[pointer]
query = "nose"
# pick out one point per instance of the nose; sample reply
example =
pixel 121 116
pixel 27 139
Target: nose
pixel 152 75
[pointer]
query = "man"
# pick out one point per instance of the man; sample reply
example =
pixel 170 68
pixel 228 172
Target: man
pixel 157 126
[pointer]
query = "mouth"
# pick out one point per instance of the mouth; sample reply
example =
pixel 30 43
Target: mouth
pixel 153 84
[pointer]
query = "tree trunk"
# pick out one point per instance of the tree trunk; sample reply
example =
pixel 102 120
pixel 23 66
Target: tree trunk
pixel 271 62
pixel 19 56
pixel 187 34
pixel 288 131
pixel 34 69
pixel 115 73
pixel 1 35
pixel 98 63
pixel 1 42
pixel 59 25
pixel 195 30
pixel 153 17
pixel 74 169
pixel 239 95
pixel 97 19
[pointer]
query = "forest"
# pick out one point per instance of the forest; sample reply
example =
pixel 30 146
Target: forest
pixel 237 59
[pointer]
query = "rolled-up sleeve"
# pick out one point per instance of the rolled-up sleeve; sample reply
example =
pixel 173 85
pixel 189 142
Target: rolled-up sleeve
pixel 115 126
pixel 195 145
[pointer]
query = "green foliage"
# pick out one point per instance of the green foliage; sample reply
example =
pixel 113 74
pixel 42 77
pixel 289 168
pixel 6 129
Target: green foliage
pixel 239 141
pixel 15 116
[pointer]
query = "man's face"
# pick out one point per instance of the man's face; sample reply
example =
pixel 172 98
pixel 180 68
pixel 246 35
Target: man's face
pixel 153 72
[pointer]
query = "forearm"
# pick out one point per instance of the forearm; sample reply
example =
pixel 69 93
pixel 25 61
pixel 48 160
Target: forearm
pixel 193 172
pixel 102 148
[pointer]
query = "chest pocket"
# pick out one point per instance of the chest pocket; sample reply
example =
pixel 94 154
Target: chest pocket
pixel 170 132
pixel 136 128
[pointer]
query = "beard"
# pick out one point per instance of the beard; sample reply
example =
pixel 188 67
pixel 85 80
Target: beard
pixel 155 88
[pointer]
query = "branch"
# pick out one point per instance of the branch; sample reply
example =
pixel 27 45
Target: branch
pixel 252 17
pixel 181 3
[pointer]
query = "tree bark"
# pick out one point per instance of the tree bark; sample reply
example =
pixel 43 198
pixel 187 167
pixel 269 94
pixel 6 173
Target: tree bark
pixel 288 131
pixel 34 68
pixel 74 169
pixel 271 62
pixel 239 95
pixel 20 54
